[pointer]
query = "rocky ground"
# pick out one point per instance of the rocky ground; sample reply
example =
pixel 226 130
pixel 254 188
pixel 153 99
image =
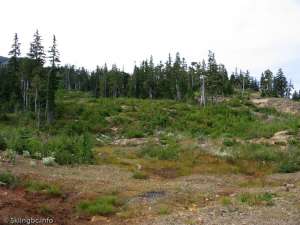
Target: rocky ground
pixel 194 199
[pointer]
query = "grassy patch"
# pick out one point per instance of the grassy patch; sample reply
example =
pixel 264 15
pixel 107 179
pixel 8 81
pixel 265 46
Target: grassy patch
pixel 9 179
pixel 140 175
pixel 291 163
pixel 256 199
pixel 164 210
pixel 225 201
pixel 167 152
pixel 105 205
pixel 45 210
pixel 40 187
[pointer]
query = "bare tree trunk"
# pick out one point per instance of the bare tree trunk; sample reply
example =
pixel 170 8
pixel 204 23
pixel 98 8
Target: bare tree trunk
pixel 243 86
pixel 27 95
pixel 47 98
pixel 150 93
pixel 202 91
pixel 69 81
pixel 35 100
pixel 38 116
pixel 178 95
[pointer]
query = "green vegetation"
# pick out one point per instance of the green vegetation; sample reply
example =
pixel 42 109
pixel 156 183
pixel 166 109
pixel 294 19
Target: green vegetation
pixel 140 175
pixel 256 199
pixel 3 144
pixel 40 187
pixel 105 205
pixel 8 179
pixel 226 201
pixel 45 210
pixel 169 152
pixel 176 132
pixel 164 210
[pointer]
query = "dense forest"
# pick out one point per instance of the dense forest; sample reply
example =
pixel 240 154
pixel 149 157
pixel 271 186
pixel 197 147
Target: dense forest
pixel 30 83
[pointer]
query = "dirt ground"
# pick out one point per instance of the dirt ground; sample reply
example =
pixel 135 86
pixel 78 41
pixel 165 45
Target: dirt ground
pixel 280 104
pixel 194 199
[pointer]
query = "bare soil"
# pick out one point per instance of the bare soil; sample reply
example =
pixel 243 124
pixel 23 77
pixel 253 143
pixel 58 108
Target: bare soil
pixel 194 199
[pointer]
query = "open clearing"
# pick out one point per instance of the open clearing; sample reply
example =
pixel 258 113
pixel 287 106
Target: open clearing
pixel 194 199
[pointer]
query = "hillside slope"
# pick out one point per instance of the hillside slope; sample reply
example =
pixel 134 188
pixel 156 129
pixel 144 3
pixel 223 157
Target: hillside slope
pixel 280 104
pixel 153 162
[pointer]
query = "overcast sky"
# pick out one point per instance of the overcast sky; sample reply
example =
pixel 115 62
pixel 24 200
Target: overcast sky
pixel 248 34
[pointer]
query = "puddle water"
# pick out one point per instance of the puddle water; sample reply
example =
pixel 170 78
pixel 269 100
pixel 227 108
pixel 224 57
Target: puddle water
pixel 153 194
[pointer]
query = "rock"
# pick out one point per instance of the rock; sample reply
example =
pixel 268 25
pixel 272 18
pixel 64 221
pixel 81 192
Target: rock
pixel 26 154
pixel 48 161
pixel 200 220
pixel 131 141
pixel 289 186
pixel 139 166
pixel 114 129
pixel 32 163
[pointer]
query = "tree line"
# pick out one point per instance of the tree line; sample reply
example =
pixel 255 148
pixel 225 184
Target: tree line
pixel 27 84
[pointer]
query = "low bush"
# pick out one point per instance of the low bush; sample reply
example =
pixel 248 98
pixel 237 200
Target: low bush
pixel 8 179
pixel 72 150
pixel 3 144
pixel 229 142
pixel 134 134
pixel 291 163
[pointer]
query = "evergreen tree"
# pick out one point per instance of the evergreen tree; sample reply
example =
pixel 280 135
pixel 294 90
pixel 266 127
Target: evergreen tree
pixel 36 51
pixel 266 83
pixel 280 84
pixel 14 72
pixel 214 78
pixel 289 89
pixel 52 81
pixel 39 82
pixel 296 95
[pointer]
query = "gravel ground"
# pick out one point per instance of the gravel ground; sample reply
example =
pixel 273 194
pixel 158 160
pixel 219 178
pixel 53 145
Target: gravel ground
pixel 194 199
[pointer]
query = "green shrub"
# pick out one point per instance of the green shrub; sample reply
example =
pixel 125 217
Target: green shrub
pixel 134 134
pixel 229 143
pixel 77 127
pixel 72 150
pixel 35 147
pixel 258 152
pixel 54 191
pixel 11 155
pixel 291 162
pixel 289 166
pixel 105 205
pixel 256 199
pixel 3 144
pixel 20 140
pixel 8 179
